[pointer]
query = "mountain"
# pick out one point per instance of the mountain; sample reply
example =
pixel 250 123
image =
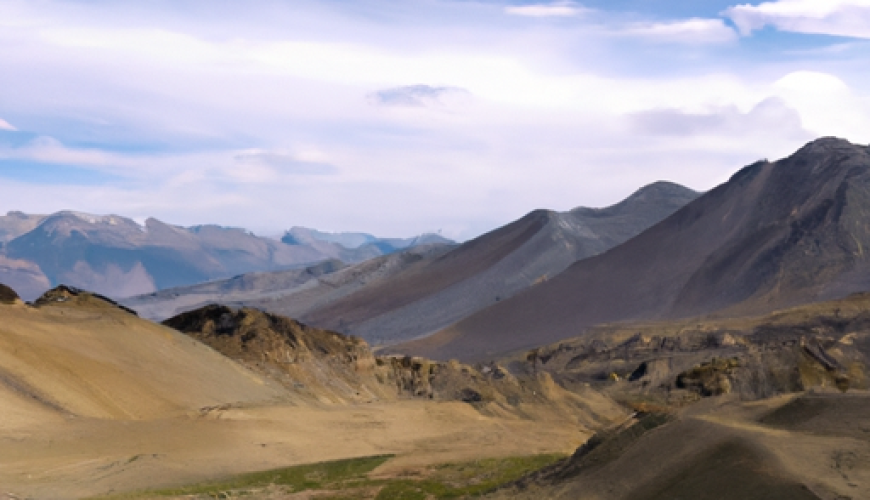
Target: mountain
pixel 414 292
pixel 776 234
pixel 14 224
pixel 493 267
pixel 78 354
pixel 302 236
pixel 291 292
pixel 357 247
pixel 117 256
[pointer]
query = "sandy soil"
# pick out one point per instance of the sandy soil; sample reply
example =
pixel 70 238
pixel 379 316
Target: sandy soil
pixel 80 457
pixel 94 400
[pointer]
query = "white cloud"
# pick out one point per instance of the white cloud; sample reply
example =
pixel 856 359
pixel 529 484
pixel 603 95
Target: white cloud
pixel 417 96
pixel 4 125
pixel 266 166
pixel 827 105
pixel 554 9
pixel 686 31
pixel 849 18
pixel 770 117
pixel 49 150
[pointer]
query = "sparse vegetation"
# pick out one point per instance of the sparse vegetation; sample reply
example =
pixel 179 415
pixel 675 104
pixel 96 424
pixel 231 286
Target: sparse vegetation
pixel 352 479
pixel 338 474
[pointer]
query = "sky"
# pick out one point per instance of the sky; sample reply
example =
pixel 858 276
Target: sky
pixel 398 118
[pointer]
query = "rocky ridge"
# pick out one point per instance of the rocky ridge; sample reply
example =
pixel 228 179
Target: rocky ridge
pixel 825 345
pixel 332 368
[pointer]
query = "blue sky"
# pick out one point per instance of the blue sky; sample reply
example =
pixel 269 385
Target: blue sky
pixel 403 117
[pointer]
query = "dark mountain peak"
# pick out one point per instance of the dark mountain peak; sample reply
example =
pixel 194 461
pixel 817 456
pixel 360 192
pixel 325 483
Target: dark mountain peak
pixel 541 215
pixel 825 145
pixel 7 295
pixel 826 153
pixel 661 188
pixel 658 192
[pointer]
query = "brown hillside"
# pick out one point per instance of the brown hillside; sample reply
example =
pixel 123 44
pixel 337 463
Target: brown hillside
pixel 87 357
pixel 329 367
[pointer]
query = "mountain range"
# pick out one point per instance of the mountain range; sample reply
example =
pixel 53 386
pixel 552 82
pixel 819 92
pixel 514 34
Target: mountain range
pixel 708 346
pixel 775 235
pixel 416 292
pixel 117 256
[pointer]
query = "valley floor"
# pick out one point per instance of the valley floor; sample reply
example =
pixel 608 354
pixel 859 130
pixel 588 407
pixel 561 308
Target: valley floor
pixel 83 457
pixel 815 444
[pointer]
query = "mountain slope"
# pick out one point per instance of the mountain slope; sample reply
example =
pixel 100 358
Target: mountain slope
pixel 415 292
pixel 774 235
pixel 493 267
pixel 291 292
pixel 77 354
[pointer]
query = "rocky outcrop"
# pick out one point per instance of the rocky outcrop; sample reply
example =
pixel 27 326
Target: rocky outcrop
pixel 330 367
pixel 7 295
pixel 72 294
pixel 820 345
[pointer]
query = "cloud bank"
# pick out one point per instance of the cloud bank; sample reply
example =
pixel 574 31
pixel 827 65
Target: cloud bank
pixel 397 118
pixel 553 9
pixel 849 18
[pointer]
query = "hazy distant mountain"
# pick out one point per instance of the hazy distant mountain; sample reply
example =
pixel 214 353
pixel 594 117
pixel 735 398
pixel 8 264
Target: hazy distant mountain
pixel 292 292
pixel 304 236
pixel 14 224
pixel 357 247
pixel 774 235
pixel 118 257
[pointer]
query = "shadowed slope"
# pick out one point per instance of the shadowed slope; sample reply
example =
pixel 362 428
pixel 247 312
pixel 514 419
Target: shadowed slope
pixel 776 234
pixel 713 453
pixel 494 267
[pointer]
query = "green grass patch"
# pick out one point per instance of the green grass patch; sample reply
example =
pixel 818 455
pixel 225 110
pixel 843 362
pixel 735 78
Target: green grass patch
pixel 466 479
pixel 337 474
pixel 349 480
